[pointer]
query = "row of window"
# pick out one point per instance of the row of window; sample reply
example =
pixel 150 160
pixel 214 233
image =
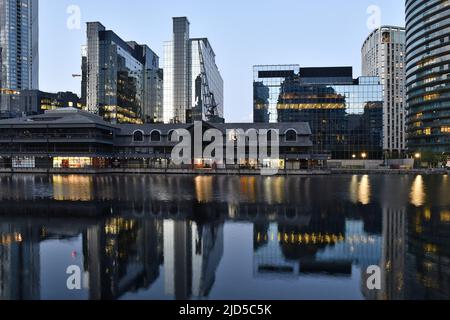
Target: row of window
pixel 155 136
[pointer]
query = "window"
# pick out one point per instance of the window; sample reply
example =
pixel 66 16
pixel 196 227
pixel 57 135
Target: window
pixel 171 135
pixel 155 136
pixel 291 136
pixel 138 136
pixel 271 135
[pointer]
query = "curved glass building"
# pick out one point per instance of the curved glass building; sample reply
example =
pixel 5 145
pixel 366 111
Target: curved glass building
pixel 428 75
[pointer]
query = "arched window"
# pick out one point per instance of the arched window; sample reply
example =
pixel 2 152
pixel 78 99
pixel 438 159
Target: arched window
pixel 169 135
pixel 155 136
pixel 271 135
pixel 291 135
pixel 138 136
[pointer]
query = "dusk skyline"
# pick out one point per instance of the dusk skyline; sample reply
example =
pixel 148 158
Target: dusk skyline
pixel 224 159
pixel 240 37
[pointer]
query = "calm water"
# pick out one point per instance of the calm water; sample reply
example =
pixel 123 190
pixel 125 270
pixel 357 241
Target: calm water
pixel 167 237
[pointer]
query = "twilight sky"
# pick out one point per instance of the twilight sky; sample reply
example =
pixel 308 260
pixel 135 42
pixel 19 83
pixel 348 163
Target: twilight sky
pixel 243 33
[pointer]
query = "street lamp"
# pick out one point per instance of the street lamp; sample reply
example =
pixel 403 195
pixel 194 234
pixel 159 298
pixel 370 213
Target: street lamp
pixel 417 156
pixel 364 155
pixel 354 156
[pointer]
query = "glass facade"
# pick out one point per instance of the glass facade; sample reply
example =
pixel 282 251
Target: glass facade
pixel 206 87
pixel 428 75
pixel 124 83
pixel 345 114
pixel 19 48
pixel 193 86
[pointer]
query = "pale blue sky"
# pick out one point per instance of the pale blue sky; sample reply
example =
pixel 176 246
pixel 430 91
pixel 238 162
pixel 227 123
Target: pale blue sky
pixel 243 33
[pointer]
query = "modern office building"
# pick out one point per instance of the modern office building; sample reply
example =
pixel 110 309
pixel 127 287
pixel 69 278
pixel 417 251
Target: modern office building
pixel 383 56
pixel 19 49
pixel 345 114
pixel 34 102
pixel 428 75
pixel 123 78
pixel 193 86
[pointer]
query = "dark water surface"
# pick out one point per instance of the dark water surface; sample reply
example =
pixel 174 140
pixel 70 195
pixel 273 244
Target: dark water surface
pixel 179 237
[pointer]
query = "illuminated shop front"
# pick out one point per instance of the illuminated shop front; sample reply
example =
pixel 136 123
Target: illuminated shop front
pixel 72 162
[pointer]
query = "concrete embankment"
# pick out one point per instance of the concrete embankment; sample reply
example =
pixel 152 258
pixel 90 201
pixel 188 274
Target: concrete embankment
pixel 391 171
pixel 234 172
pixel 230 172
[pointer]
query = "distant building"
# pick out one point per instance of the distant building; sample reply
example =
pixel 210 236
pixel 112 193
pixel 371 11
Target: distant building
pixel 427 76
pixel 193 86
pixel 345 114
pixel 34 102
pixel 383 56
pixel 123 83
pixel 84 75
pixel 19 49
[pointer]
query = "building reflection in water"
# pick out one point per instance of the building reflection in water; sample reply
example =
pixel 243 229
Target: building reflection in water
pixel 19 263
pixel 138 233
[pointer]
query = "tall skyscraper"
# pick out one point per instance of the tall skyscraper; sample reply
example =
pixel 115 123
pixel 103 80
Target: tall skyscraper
pixel 19 47
pixel 123 83
pixel 428 75
pixel 84 72
pixel 345 114
pixel 193 86
pixel 383 56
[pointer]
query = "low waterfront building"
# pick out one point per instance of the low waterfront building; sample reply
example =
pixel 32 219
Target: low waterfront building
pixel 74 139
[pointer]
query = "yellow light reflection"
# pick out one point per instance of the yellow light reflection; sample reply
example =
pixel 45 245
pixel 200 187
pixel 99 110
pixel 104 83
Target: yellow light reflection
pixel 72 188
pixel 364 190
pixel 248 188
pixel 417 195
pixel 204 189
pixel 7 239
pixel 445 216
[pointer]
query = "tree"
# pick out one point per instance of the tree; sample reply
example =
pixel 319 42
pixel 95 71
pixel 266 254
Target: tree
pixel 434 159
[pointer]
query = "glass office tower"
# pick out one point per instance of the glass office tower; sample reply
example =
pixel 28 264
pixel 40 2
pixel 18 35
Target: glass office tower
pixel 428 75
pixel 19 49
pixel 124 82
pixel 345 114
pixel 193 86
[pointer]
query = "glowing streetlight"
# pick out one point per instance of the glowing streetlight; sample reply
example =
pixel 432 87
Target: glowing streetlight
pixel 354 156
pixel 417 156
pixel 364 155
